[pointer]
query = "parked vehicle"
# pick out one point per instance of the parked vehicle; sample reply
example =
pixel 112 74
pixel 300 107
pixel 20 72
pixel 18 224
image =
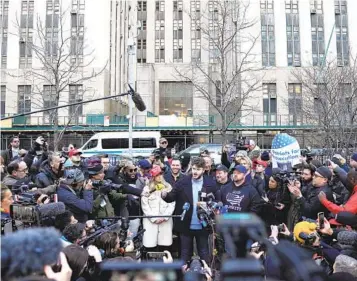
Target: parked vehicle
pixel 117 143
pixel 215 151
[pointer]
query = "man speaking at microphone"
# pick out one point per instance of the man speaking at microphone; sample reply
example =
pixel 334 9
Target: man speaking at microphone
pixel 189 228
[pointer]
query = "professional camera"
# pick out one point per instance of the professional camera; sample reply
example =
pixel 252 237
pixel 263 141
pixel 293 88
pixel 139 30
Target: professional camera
pixel 241 143
pixel 105 186
pixel 287 177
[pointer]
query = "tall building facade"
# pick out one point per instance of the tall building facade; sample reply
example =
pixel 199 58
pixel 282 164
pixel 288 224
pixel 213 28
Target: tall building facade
pixel 293 34
pixel 80 39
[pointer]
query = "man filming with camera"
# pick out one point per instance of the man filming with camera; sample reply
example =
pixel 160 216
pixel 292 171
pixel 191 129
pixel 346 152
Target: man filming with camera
pixel 51 171
pixel 310 205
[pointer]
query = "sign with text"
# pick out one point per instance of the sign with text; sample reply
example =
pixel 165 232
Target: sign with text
pixel 286 152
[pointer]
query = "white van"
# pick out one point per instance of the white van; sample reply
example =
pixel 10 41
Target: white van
pixel 117 143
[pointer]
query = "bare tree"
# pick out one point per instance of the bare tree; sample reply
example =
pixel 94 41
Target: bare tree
pixel 330 103
pixel 65 62
pixel 227 82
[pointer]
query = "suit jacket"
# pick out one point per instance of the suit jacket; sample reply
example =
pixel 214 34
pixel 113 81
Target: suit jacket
pixel 181 194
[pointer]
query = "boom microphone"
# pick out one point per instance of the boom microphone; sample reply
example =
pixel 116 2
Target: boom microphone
pixel 51 209
pixel 26 252
pixel 138 101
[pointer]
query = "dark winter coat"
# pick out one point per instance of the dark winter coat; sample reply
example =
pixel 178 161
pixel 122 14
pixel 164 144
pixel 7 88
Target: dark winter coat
pixel 181 194
pixel 46 176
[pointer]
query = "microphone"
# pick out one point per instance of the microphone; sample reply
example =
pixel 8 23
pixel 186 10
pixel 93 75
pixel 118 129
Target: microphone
pixel 185 207
pixel 26 252
pixel 347 238
pixel 202 217
pixel 138 101
pixel 51 209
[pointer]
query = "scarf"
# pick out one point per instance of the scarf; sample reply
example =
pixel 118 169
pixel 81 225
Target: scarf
pixel 159 186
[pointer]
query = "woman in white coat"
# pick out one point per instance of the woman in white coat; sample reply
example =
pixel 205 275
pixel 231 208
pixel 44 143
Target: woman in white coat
pixel 158 230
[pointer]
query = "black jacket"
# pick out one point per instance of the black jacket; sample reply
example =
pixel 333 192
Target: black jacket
pixel 182 193
pixel 46 176
pixel 311 205
pixel 243 198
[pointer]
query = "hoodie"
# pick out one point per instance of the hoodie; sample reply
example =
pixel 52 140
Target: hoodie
pixel 350 206
pixel 46 176
pixel 242 198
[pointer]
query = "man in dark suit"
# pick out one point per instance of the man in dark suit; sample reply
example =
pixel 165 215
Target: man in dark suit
pixel 187 190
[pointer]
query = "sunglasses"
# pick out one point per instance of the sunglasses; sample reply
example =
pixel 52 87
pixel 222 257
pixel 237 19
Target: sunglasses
pixel 133 170
pixel 164 142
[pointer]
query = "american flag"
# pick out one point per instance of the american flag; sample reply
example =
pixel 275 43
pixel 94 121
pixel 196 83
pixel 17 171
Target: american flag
pixel 234 199
pixel 282 140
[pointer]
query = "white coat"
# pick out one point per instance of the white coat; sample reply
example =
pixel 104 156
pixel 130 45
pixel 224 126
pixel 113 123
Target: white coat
pixel 157 234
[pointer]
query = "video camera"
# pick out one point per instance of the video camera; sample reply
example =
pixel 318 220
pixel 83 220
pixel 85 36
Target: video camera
pixel 105 186
pixel 241 143
pixel 286 177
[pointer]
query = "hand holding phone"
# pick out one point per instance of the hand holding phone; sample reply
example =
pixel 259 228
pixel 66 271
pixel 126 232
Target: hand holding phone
pixel 321 220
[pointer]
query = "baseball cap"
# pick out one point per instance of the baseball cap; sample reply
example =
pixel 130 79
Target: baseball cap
pixel 354 156
pixel 261 162
pixel 241 153
pixel 144 164
pixel 155 171
pixel 74 152
pixel 222 168
pixel 241 169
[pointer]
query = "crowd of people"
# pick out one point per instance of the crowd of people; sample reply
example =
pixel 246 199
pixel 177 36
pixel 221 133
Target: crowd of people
pixel 314 205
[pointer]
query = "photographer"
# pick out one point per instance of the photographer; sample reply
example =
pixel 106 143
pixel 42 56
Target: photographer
pixel 51 171
pixel 109 244
pixel 163 151
pixel 275 212
pixel 310 205
pixel 190 227
pixel 76 194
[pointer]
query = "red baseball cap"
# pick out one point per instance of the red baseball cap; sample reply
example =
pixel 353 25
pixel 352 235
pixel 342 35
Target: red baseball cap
pixel 74 152
pixel 155 171
pixel 261 162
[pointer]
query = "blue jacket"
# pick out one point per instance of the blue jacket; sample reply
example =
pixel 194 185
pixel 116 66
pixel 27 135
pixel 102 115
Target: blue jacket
pixel 243 198
pixel 46 176
pixel 79 203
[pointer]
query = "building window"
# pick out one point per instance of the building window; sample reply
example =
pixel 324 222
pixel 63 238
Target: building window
pixel 77 31
pixel 268 32
pixel 341 21
pixel 160 32
pixel 269 104
pixel 4 21
pixel 52 25
pixel 295 104
pixel 177 9
pixel 24 99
pixel 195 30
pixel 75 95
pixel 176 98
pixel 317 35
pixel 49 100
pixel 142 6
pixel 3 100
pixel 218 94
pixel 26 33
pixel 177 40
pixel 293 33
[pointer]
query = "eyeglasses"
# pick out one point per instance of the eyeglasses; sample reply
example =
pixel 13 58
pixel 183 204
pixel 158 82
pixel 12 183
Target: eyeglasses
pixel 133 170
pixel 24 170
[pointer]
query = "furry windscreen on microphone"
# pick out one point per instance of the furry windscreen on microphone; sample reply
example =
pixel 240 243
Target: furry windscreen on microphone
pixel 27 251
